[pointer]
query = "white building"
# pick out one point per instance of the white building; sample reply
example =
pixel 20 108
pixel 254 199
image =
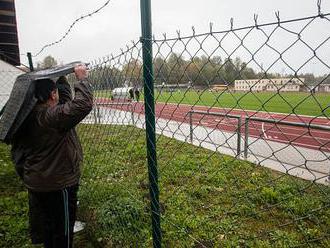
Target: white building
pixel 324 88
pixel 8 74
pixel 273 84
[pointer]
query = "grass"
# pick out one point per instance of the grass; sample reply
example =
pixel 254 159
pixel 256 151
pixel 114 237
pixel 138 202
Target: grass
pixel 284 102
pixel 297 103
pixel 13 205
pixel 207 199
pixel 14 208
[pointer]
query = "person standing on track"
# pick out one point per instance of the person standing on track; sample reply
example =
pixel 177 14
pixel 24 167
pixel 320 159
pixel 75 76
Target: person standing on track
pixel 131 94
pixel 47 155
pixel 137 94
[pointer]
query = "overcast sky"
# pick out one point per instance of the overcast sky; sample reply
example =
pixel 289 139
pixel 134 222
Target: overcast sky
pixel 44 21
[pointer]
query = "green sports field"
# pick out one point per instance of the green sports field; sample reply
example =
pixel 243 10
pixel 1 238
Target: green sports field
pixel 299 103
pixel 284 102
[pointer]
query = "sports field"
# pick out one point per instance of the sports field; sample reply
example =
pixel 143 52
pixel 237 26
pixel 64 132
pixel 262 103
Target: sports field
pixel 298 103
pixel 284 102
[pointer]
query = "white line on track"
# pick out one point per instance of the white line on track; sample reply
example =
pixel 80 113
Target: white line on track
pixel 287 128
pixel 263 130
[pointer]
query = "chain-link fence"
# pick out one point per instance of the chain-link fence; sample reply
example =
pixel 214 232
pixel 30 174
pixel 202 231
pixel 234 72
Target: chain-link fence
pixel 242 123
pixel 242 119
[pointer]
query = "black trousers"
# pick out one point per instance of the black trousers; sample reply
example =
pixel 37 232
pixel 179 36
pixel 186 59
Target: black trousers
pixel 52 217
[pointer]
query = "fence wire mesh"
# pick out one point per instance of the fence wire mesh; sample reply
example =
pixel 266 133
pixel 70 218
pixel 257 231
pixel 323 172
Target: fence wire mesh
pixel 243 141
pixel 242 123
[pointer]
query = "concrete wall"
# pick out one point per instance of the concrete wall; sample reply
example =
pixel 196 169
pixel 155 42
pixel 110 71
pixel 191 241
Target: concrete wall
pixel 8 74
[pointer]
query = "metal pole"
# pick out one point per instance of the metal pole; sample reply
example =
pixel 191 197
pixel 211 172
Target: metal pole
pixel 29 55
pixel 239 135
pixel 246 140
pixel 95 114
pixel 98 114
pixel 150 119
pixel 132 114
pixel 191 127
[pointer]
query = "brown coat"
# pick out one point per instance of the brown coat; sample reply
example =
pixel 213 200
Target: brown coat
pixel 46 150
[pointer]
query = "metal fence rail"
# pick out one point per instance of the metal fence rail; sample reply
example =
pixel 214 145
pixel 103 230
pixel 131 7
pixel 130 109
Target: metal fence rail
pixel 116 105
pixel 238 130
pixel 279 122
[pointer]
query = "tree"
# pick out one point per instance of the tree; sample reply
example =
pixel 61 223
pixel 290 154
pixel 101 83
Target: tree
pixel 176 69
pixel 231 73
pixel 160 70
pixel 247 72
pixel 309 78
pixel 47 62
pixel 106 78
pixel 216 60
pixel 132 72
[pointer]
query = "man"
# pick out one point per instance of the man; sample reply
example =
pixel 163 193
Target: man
pixel 131 94
pixel 48 154
pixel 137 94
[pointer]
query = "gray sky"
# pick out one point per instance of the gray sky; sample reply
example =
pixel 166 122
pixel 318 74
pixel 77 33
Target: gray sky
pixel 44 21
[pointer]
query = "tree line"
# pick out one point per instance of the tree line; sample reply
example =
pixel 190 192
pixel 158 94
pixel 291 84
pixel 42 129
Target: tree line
pixel 200 70
pixel 206 71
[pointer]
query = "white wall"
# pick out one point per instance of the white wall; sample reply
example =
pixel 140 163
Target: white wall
pixel 283 84
pixel 8 74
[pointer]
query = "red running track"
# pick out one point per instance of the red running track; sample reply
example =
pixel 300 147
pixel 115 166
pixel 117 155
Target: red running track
pixel 298 136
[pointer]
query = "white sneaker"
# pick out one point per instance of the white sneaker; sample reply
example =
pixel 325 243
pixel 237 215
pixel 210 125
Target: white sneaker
pixel 78 226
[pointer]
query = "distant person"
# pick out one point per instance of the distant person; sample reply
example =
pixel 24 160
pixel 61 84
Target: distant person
pixel 48 155
pixel 131 94
pixel 137 94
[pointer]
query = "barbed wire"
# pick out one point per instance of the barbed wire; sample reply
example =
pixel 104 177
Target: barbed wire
pixel 70 28
pixel 232 29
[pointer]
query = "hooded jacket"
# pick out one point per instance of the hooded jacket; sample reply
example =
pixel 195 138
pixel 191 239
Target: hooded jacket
pixel 46 149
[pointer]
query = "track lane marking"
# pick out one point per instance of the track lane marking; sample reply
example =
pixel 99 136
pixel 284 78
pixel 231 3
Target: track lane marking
pixel 263 130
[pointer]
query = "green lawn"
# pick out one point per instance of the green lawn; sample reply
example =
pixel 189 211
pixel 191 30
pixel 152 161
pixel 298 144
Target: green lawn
pixel 285 102
pixel 298 103
pixel 207 199
pixel 13 205
pixel 14 208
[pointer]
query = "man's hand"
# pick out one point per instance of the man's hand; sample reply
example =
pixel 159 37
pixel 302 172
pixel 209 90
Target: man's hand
pixel 81 72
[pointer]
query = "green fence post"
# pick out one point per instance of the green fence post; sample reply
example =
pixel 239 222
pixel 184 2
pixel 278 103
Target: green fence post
pixel 149 103
pixel 239 136
pixel 29 55
pixel 246 141
pixel 191 130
